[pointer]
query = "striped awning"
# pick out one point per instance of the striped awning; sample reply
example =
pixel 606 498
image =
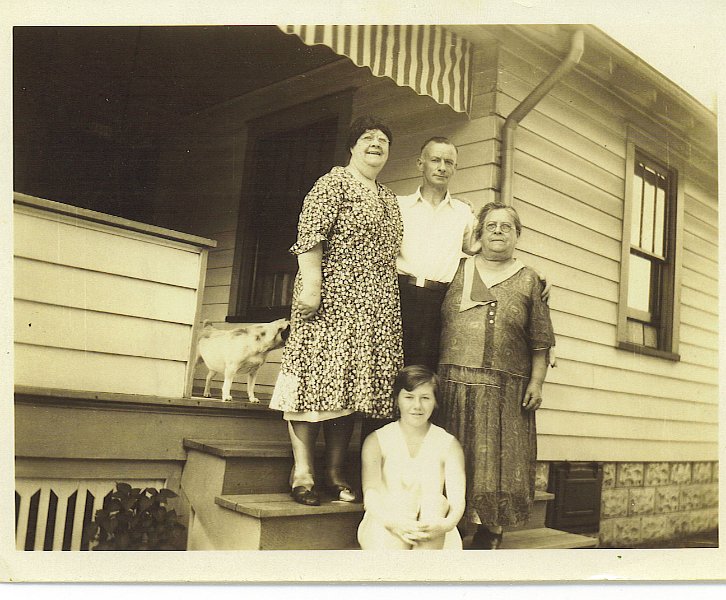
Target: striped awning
pixel 427 58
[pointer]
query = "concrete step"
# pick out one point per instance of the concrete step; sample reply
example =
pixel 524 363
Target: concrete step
pixel 277 522
pixel 538 515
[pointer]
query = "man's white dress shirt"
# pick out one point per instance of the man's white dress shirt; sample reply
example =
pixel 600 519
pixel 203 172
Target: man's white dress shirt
pixel 432 236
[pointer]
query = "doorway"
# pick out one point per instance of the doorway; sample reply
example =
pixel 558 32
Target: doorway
pixel 285 158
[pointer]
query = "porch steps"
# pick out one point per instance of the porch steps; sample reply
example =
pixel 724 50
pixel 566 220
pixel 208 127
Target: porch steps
pixel 544 538
pixel 280 523
pixel 239 492
pixel 541 538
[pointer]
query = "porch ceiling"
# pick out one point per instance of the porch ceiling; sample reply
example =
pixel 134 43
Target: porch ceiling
pixel 134 80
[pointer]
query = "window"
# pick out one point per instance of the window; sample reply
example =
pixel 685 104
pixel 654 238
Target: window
pixel 648 312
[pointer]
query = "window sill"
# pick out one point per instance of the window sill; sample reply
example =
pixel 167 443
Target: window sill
pixel 260 316
pixel 647 350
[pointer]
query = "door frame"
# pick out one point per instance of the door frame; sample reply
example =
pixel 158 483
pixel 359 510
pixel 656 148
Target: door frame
pixel 340 105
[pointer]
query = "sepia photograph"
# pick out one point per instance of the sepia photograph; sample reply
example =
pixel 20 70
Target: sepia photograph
pixel 291 293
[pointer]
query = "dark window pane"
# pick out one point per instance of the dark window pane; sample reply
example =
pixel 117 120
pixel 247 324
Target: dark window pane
pixel 660 212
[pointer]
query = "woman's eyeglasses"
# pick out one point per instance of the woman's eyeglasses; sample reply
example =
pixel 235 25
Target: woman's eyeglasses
pixel 368 139
pixel 503 227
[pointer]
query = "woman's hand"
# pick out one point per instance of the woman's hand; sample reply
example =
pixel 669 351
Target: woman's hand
pixel 408 530
pixel 308 301
pixel 547 286
pixel 434 528
pixel 532 396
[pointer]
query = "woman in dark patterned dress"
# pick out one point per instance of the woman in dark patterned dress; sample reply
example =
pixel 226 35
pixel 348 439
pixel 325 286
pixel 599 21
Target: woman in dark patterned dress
pixel 496 334
pixel 344 348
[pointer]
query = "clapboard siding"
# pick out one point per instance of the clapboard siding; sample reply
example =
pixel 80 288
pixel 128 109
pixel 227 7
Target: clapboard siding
pixel 102 292
pixel 594 219
pixel 94 247
pixel 551 246
pixel 566 275
pixel 81 329
pixel 707 266
pixel 568 231
pixel 577 445
pixel 102 303
pixel 569 183
pixel 585 374
pixel 63 368
pixel 571 398
pixel 578 349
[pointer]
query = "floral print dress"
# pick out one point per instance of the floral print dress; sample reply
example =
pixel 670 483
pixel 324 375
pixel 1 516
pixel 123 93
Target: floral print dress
pixel 346 357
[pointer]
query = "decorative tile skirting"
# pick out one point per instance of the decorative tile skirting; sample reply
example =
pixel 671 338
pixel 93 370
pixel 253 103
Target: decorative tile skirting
pixel 649 502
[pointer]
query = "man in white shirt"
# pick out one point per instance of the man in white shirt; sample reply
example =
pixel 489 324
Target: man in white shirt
pixel 437 232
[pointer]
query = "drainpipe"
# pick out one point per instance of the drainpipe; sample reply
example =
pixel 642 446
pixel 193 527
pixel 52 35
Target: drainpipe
pixel 577 46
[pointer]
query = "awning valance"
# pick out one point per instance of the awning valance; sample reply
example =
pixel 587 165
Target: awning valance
pixel 427 58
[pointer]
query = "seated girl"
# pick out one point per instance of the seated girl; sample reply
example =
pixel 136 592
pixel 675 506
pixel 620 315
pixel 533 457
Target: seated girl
pixel 406 466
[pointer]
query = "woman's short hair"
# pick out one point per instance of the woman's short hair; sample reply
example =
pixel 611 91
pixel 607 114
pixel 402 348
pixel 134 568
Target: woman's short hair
pixel 490 207
pixel 367 123
pixel 409 378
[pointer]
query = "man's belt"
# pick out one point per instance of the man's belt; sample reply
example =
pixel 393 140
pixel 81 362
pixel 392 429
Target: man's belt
pixel 421 282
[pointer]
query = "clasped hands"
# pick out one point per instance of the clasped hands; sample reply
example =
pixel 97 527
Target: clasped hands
pixel 412 531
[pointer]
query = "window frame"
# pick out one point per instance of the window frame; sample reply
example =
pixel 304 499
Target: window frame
pixel 638 145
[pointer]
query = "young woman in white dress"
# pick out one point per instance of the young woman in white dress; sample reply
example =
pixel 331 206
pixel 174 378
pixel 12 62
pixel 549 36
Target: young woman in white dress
pixel 413 474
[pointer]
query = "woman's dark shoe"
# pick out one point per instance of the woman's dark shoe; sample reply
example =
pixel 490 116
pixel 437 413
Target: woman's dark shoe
pixel 484 539
pixel 303 495
pixel 342 492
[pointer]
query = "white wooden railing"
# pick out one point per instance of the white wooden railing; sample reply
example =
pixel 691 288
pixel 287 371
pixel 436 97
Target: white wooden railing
pixel 104 304
pixel 63 508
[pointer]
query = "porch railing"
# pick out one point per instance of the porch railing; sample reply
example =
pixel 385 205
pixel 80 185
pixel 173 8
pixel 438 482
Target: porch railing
pixel 104 304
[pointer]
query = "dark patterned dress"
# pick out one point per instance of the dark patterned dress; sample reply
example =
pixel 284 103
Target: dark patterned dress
pixel 485 368
pixel 347 356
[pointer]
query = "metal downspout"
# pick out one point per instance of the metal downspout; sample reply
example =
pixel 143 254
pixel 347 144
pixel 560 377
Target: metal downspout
pixel 577 46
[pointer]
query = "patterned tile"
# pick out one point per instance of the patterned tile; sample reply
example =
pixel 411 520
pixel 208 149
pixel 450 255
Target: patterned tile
pixel 630 475
pixel 657 473
pixel 642 501
pixel 627 532
pixel 542 476
pixel 678 525
pixel 702 472
pixel 614 503
pixel 607 533
pixel 654 528
pixel 691 497
pixel 609 474
pixel 710 494
pixel 699 521
pixel 667 499
pixel 681 473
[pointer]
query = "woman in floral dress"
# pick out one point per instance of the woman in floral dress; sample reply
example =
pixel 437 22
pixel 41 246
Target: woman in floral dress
pixel 496 334
pixel 344 348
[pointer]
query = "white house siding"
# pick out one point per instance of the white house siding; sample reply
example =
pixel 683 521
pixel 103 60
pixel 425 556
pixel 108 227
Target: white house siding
pixel 602 403
pixel 101 308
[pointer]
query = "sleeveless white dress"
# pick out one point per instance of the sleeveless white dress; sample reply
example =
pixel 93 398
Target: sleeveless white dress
pixel 412 486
